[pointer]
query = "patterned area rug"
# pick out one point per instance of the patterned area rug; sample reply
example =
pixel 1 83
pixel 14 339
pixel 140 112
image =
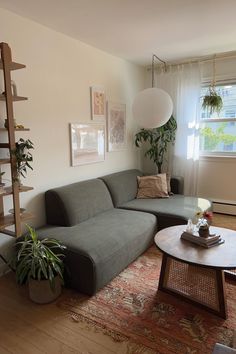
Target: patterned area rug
pixel 131 309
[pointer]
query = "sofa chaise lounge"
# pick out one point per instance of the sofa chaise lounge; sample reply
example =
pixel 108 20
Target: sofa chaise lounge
pixel 105 227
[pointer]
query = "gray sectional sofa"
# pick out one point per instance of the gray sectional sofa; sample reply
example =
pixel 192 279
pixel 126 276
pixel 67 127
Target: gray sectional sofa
pixel 105 227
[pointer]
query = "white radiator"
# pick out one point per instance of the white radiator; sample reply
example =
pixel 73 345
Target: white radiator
pixel 224 206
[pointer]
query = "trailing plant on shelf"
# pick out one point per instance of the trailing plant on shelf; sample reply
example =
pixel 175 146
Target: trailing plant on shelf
pixel 212 101
pixel 39 261
pixel 23 157
pixel 158 139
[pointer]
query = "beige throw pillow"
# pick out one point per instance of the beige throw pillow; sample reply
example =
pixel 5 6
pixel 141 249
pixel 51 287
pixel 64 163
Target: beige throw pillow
pixel 152 186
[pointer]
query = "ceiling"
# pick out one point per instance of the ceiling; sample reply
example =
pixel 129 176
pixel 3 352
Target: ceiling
pixel 134 29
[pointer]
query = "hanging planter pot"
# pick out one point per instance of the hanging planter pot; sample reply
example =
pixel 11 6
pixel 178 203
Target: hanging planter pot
pixel 212 101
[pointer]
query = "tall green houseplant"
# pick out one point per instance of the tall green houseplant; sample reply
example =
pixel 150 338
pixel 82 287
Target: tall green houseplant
pixel 158 139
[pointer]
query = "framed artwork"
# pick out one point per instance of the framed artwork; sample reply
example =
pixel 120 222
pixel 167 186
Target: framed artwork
pixel 98 103
pixel 87 143
pixel 116 126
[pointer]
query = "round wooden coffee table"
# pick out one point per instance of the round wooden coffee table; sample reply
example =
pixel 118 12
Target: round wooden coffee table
pixel 194 273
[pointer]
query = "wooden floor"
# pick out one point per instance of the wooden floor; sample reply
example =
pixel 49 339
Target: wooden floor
pixel 27 328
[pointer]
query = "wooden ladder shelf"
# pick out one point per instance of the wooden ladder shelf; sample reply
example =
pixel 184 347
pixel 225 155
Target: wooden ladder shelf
pixel 7 65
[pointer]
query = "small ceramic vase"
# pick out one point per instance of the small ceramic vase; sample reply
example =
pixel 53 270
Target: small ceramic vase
pixel 204 230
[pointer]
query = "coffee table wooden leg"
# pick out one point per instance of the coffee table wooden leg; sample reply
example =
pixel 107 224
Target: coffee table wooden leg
pixel 164 273
pixel 220 278
pixel 198 285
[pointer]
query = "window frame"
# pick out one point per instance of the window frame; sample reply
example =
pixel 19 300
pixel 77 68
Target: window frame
pixel 221 154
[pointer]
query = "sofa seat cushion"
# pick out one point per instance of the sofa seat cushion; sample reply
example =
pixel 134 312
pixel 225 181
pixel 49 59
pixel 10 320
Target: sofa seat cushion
pixel 98 249
pixel 175 210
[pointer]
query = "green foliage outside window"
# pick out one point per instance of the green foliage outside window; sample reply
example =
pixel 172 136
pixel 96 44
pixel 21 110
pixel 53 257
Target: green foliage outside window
pixel 212 138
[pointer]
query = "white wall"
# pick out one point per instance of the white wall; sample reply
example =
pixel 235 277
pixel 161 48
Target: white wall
pixel 59 73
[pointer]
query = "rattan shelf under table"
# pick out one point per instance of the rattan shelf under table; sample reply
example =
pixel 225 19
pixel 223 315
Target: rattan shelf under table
pixel 194 273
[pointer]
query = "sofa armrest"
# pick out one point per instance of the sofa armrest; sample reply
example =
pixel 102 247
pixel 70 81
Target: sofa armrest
pixel 177 185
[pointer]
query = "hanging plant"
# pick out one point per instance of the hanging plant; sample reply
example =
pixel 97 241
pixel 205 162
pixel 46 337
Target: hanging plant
pixel 212 101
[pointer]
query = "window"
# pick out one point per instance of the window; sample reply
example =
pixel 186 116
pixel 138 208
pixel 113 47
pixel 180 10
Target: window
pixel 218 132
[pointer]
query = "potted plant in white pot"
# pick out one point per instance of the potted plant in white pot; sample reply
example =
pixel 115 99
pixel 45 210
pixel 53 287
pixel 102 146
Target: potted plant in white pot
pixel 40 263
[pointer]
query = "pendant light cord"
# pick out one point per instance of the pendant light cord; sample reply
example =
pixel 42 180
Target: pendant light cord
pixel 214 72
pixel 154 56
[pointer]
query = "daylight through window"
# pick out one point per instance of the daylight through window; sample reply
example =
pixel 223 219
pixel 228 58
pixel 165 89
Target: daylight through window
pixel 218 132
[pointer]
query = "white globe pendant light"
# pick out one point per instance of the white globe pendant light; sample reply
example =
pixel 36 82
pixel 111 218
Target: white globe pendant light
pixel 152 107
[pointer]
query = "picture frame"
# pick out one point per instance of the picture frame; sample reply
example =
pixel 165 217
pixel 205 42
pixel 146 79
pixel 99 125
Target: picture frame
pixel 116 126
pixel 87 141
pixel 98 102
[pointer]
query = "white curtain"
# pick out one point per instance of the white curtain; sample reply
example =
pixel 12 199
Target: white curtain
pixel 183 83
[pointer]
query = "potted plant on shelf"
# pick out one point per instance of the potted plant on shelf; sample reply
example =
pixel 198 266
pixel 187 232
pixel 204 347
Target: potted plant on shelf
pixel 158 138
pixel 40 263
pixel 23 157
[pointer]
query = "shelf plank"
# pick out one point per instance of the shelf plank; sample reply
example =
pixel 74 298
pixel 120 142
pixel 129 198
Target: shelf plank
pixel 13 65
pixel 8 220
pixel 22 189
pixel 16 129
pixel 25 189
pixel 4 145
pixel 14 98
pixel 4 161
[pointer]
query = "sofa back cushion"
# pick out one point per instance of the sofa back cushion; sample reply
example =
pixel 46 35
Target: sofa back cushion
pixel 77 202
pixel 122 185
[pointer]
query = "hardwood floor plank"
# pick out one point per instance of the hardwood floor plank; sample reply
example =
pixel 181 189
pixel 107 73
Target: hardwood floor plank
pixel 16 344
pixel 50 337
pixel 4 350
pixel 48 324
pixel 32 335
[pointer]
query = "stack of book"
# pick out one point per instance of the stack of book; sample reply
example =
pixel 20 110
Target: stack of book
pixel 207 242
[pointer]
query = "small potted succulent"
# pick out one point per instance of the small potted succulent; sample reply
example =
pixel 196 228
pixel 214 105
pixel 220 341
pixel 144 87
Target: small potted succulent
pixel 40 264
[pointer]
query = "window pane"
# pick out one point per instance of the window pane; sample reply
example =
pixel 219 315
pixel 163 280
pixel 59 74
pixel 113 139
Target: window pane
pixel 218 137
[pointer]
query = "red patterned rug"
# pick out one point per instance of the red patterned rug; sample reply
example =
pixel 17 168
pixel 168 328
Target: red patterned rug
pixel 131 309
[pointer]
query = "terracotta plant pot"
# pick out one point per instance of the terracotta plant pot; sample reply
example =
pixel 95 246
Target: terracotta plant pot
pixel 41 292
